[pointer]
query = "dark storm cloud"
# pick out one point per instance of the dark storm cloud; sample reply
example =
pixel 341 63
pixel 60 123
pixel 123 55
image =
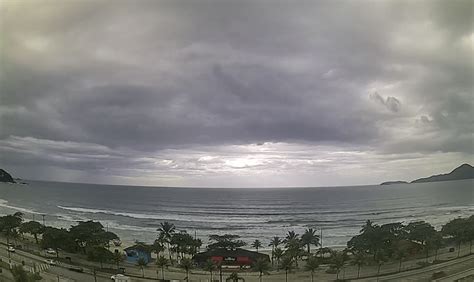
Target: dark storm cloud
pixel 137 79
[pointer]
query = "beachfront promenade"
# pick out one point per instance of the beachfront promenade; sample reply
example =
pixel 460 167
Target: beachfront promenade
pixel 34 256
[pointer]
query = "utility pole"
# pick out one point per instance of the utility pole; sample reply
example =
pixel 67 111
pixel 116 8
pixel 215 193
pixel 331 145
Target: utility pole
pixel 321 244
pixel 43 219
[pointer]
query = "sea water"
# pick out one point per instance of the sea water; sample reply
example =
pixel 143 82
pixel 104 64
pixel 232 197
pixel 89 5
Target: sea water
pixel 134 212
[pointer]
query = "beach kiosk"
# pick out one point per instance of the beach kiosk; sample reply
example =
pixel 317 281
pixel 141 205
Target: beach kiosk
pixel 236 257
pixel 135 252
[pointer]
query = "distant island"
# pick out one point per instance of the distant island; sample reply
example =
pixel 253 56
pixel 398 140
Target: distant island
pixel 6 177
pixel 465 171
pixel 393 182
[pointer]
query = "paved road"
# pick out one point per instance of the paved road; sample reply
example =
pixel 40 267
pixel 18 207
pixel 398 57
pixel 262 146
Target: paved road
pixel 196 275
pixel 425 274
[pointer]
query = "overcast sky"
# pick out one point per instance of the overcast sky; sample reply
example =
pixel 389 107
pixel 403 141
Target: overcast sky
pixel 235 93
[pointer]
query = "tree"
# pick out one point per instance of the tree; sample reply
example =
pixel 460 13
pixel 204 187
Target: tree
pixel 100 254
pixel 219 267
pixel 166 231
pixel 312 264
pixel 257 244
pixel 226 241
pixel 278 254
pixel 117 258
pixel 262 267
pixel 157 247
pixel 290 236
pixel 186 264
pixel 309 238
pixel 210 266
pixel 32 227
pixel 420 232
pixel 338 259
pixel 9 224
pixel 57 239
pixel 89 234
pixel 434 243
pixel 162 262
pixel 294 249
pixel 380 259
pixel 274 243
pixel 457 230
pixel 234 277
pixel 142 263
pixel 287 265
pixel 399 255
pixel 469 231
pixel 360 258
pixel 20 275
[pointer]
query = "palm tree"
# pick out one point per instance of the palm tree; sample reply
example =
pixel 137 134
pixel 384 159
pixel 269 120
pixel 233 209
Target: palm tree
pixel 257 244
pixel 287 265
pixel 219 267
pixel 434 242
pixel 310 238
pixel 399 255
pixel 117 258
pixel 369 226
pixel 291 236
pixel 186 264
pixel 142 263
pixel 234 277
pixel 262 267
pixel 360 258
pixel 338 258
pixel 278 254
pixel 312 264
pixel 380 259
pixel 166 231
pixel 294 249
pixel 274 243
pixel 210 266
pixel 162 262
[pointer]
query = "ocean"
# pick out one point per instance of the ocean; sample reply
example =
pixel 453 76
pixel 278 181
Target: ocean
pixel 134 213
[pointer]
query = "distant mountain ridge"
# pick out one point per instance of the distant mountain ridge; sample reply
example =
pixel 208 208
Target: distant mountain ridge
pixel 464 171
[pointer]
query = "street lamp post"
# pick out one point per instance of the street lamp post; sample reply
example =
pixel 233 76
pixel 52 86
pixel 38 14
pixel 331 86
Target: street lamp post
pixel 43 219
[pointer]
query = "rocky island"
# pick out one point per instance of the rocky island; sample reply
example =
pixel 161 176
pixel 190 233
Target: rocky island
pixel 6 177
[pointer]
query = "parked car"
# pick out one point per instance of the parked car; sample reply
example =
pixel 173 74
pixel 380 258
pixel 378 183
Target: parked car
pixel 51 262
pixel 116 276
pixel 120 278
pixel 75 268
pixel 51 251
pixel 11 249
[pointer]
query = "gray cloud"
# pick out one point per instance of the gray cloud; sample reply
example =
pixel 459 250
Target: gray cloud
pixel 391 103
pixel 137 80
